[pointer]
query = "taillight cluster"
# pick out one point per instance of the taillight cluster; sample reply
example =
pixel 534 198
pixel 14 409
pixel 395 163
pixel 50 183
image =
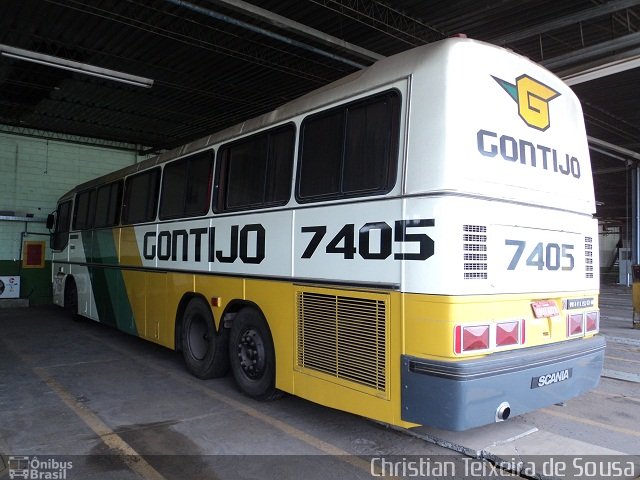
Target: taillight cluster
pixel 477 338
pixel 581 323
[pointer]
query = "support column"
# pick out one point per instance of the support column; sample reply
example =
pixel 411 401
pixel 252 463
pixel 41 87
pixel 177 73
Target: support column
pixel 635 215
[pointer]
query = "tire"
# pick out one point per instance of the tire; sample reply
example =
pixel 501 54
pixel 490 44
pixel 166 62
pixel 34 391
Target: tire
pixel 252 355
pixel 71 299
pixel 204 351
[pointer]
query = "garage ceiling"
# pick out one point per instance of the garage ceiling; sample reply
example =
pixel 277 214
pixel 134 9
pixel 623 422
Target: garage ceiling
pixel 217 62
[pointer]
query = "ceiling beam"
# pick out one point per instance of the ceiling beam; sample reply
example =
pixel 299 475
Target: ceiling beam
pixel 386 19
pixel 289 25
pixel 601 145
pixel 593 51
pixel 602 68
pixel 600 10
pixel 274 36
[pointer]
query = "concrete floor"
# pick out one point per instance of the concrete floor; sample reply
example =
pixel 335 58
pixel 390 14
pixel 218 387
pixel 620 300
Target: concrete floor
pixel 118 407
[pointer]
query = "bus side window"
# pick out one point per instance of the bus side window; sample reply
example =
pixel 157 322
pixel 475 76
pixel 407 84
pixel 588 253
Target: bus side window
pixel 256 171
pixel 141 197
pixel 186 186
pixel 60 236
pixel 351 150
pixel 108 201
pixel 83 214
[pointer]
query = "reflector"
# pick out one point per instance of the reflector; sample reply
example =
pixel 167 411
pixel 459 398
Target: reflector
pixel 506 334
pixel 592 321
pixel 475 338
pixel 574 324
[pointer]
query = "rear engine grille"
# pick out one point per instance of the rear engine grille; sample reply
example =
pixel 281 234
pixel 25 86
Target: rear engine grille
pixel 474 239
pixel 344 337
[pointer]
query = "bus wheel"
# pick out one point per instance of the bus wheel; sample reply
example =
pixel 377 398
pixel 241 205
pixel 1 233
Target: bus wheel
pixel 204 351
pixel 252 355
pixel 71 299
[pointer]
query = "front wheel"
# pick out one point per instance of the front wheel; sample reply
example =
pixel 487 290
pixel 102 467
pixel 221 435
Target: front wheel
pixel 252 355
pixel 203 350
pixel 71 299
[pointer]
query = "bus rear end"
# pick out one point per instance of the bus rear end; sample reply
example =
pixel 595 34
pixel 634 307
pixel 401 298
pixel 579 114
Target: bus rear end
pixel 503 318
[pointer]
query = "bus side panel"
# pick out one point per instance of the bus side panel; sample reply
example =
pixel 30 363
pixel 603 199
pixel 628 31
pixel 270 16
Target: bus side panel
pixel 355 243
pixel 343 375
pixel 135 281
pixel 111 299
pixel 59 271
pixel 78 241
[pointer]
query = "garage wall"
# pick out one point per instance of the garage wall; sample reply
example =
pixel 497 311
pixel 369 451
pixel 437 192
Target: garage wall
pixel 34 173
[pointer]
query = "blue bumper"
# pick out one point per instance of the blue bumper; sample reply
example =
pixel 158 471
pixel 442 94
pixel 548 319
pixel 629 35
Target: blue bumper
pixel 466 394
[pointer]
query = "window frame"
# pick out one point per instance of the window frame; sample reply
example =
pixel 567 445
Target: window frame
pixel 91 210
pixel 124 209
pixel 210 152
pixel 57 233
pixel 222 171
pixel 393 146
pixel 119 202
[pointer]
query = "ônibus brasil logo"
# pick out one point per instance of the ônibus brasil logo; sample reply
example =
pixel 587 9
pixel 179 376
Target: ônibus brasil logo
pixel 533 99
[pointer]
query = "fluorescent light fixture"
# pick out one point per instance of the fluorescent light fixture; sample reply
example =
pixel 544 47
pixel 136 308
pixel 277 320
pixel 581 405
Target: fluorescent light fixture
pixel 65 64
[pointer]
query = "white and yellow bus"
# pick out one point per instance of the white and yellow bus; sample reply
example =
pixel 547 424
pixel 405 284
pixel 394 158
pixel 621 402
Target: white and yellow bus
pixel 413 243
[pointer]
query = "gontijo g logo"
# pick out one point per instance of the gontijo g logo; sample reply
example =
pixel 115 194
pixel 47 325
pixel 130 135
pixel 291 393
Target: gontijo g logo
pixel 533 99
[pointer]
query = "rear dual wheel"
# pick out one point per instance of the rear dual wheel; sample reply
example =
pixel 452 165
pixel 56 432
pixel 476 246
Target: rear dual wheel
pixel 252 355
pixel 204 351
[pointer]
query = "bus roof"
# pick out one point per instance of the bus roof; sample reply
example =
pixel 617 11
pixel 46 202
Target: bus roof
pixel 382 72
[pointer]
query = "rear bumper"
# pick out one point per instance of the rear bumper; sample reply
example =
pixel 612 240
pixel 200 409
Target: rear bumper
pixel 466 394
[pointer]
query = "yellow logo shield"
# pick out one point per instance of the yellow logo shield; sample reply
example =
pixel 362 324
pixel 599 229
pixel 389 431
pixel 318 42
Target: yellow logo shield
pixel 533 99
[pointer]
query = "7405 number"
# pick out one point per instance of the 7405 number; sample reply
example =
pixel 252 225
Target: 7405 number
pixel 344 243
pixel 550 255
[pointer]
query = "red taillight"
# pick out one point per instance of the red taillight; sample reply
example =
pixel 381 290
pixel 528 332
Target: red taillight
pixel 523 330
pixel 457 342
pixel 507 334
pixel 574 324
pixel 592 321
pixel 475 338
pixel 472 338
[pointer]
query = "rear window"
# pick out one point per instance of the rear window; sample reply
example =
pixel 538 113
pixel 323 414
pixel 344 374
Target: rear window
pixel 351 150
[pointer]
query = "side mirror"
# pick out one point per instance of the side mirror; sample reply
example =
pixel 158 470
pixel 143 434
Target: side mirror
pixel 51 220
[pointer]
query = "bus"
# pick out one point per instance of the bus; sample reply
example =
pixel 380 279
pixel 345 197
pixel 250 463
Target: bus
pixel 414 243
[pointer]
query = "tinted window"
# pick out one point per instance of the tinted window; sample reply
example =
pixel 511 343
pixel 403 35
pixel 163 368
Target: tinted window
pixel 141 197
pixel 186 186
pixel 256 171
pixel 350 150
pixel 60 236
pixel 108 201
pixel 84 211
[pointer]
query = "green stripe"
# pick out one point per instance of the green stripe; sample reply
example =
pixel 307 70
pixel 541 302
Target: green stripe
pixel 108 284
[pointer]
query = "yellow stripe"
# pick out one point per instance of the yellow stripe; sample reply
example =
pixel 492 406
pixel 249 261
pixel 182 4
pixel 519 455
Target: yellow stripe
pixel 129 456
pixel 284 427
pixel 593 423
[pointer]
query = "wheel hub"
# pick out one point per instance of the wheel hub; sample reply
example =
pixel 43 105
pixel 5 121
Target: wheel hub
pixel 251 354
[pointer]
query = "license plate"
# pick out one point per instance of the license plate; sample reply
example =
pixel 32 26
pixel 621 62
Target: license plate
pixel 545 308
pixel 551 378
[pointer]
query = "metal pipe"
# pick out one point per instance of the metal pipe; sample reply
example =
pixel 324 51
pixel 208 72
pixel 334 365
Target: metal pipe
pixel 262 31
